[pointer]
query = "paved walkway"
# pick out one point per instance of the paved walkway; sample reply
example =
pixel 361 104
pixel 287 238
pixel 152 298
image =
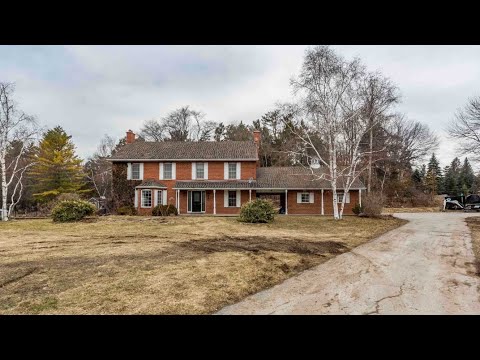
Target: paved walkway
pixel 423 267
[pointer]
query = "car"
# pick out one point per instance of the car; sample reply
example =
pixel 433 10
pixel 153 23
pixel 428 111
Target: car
pixel 472 203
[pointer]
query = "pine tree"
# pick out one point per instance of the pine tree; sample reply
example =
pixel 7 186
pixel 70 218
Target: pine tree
pixel 58 168
pixel 434 178
pixel 466 178
pixel 452 181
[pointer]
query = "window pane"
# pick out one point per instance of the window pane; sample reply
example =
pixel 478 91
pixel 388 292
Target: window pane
pixel 200 171
pixel 135 171
pixel 232 170
pixel 159 197
pixel 167 170
pixel 146 198
pixel 232 198
pixel 305 197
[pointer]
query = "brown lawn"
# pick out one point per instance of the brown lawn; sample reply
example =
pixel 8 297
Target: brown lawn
pixel 175 265
pixel 474 225
pixel 411 209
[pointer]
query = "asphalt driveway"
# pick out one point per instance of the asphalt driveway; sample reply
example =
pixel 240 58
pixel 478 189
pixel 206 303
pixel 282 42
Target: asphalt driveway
pixel 423 267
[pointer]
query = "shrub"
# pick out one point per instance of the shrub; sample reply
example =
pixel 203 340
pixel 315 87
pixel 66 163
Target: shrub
pixel 357 209
pixel 72 210
pixel 257 211
pixel 372 205
pixel 164 210
pixel 126 210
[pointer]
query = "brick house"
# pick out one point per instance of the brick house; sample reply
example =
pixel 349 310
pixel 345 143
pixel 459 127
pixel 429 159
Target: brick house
pixel 217 178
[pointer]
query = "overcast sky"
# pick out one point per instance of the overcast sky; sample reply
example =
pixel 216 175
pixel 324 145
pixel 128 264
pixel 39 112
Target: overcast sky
pixel 96 90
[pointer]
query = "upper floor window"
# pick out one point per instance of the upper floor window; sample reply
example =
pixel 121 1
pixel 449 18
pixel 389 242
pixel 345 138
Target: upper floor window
pixel 167 171
pixel 136 171
pixel 200 170
pixel 232 170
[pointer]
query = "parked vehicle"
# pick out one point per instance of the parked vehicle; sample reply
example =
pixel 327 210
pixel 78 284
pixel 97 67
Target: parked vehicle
pixel 469 203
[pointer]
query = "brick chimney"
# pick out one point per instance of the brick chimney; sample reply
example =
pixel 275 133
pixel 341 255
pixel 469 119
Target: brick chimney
pixel 130 137
pixel 257 138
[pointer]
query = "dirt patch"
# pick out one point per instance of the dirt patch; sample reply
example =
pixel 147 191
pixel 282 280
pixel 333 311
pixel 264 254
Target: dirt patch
pixel 474 225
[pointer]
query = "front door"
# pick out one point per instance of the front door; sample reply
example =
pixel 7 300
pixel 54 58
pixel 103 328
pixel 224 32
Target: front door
pixel 196 201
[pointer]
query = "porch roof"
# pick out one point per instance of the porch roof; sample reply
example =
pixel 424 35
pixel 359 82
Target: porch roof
pixel 150 184
pixel 209 184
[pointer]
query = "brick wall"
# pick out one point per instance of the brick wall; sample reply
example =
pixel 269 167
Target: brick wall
pixel 315 207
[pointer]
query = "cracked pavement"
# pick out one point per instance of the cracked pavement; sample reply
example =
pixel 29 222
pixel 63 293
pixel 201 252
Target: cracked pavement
pixel 423 267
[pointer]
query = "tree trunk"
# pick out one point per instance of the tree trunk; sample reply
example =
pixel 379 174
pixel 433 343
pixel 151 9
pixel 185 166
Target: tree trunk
pixel 333 173
pixel 369 183
pixel 4 188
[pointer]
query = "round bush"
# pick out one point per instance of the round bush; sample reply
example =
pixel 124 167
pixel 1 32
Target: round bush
pixel 257 211
pixel 126 210
pixel 164 210
pixel 72 210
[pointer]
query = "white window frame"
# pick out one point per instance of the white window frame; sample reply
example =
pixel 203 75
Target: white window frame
pixel 340 197
pixel 130 171
pixel 302 199
pixel 141 199
pixel 171 171
pixel 236 168
pixel 226 202
pixel 196 171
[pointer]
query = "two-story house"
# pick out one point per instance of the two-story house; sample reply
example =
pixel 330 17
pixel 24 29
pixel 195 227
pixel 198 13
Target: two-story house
pixel 215 178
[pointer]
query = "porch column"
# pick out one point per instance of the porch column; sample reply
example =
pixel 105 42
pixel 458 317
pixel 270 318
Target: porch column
pixel 214 202
pixel 178 202
pixel 250 195
pixel 323 211
pixel 360 197
pixel 286 202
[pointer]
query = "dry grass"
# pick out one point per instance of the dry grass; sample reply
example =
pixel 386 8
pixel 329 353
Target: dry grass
pixel 411 210
pixel 474 225
pixel 175 265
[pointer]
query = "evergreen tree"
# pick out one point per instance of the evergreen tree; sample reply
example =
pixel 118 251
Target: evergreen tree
pixel 417 178
pixel 467 177
pixel 452 181
pixel 58 169
pixel 434 178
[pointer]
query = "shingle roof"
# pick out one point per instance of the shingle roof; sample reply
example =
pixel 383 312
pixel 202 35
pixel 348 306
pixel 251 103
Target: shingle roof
pixel 296 177
pixel 190 150
pixel 151 184
pixel 214 185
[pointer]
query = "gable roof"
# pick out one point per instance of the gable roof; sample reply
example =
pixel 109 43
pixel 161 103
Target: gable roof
pixel 189 150
pixel 297 177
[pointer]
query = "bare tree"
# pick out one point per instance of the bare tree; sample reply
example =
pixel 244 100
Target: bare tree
pixel 98 169
pixel 379 95
pixel 466 128
pixel 183 124
pixel 16 127
pixel 331 99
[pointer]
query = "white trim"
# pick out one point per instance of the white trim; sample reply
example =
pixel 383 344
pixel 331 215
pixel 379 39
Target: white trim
pixel 225 198
pixel 205 170
pixel 174 171
pixel 238 200
pixel 155 197
pixel 286 202
pixel 225 171
pixel 135 201
pixel 249 194
pixel 141 199
pixel 312 197
pixel 360 197
pixel 299 197
pixel 129 171
pixel 323 210
pixel 160 165
pixel 194 171
pixel 141 171
pixel 214 202
pixel 239 170
pixel 164 197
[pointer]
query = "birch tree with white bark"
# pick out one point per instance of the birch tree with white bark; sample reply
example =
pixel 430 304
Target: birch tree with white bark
pixel 331 94
pixel 16 127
